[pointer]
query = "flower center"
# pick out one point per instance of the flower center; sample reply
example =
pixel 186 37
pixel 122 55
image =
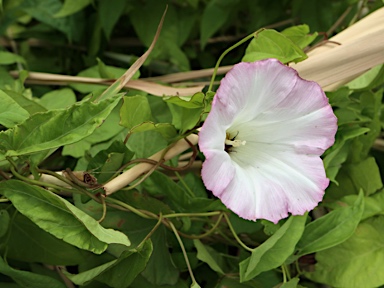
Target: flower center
pixel 232 142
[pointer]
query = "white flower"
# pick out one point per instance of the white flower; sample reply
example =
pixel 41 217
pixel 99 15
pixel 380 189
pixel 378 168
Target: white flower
pixel 263 139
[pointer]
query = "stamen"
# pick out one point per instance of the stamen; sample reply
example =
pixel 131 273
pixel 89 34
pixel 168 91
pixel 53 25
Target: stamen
pixel 234 143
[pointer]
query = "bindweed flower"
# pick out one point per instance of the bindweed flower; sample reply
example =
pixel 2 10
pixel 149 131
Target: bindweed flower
pixel 263 139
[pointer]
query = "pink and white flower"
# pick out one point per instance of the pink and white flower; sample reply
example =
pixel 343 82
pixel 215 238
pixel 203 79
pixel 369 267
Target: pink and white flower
pixel 263 139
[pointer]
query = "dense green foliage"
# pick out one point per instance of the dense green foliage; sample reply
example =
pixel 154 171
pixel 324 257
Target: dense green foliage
pixel 168 230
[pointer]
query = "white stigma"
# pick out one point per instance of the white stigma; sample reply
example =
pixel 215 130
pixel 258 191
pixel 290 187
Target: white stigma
pixel 234 143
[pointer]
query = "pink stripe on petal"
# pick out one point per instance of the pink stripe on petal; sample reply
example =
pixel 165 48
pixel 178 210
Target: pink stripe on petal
pixel 286 123
pixel 217 171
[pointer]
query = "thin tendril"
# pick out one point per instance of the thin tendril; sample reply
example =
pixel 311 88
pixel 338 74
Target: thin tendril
pixel 152 231
pixel 102 201
pixel 235 234
pixel 184 252
pixel 229 50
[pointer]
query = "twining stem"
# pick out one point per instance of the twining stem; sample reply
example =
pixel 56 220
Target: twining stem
pixel 184 252
pixel 102 201
pixel 235 234
pixel 184 184
pixel 152 231
pixel 229 50
pixel 130 208
pixel 206 234
pixel 130 175
pixel 38 183
pixel 203 214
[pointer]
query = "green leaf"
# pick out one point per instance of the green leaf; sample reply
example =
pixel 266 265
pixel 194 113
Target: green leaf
pixel 105 163
pixel 119 272
pixel 146 144
pixel 109 129
pixel 196 101
pixel 4 222
pixel 210 256
pixel 356 262
pixel 184 119
pixel 331 229
pixel 42 246
pixel 55 128
pixel 71 7
pixel 11 113
pixel 366 175
pixel 28 279
pixel 166 273
pixel 44 11
pixel 338 153
pixel 272 44
pixel 369 79
pixel 373 204
pixel 273 252
pixel 109 14
pixel 60 218
pixel 299 35
pixel 57 99
pixel 135 110
pixel 94 72
pixel 31 106
pixel 291 283
pixel 215 15
pixel 166 130
pixel 7 58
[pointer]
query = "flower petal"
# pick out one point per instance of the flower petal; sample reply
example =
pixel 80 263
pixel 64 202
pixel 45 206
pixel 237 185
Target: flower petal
pixel 280 179
pixel 286 123
pixel 217 171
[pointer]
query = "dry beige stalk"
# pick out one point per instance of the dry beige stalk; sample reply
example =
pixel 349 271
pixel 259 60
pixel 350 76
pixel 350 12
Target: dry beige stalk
pixel 130 175
pixel 362 47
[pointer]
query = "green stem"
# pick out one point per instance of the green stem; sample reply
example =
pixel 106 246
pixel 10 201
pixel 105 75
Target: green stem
pixel 184 184
pixel 129 207
pixel 204 214
pixel 229 50
pixel 235 234
pixel 284 273
pixel 184 252
pixel 39 183
pixel 152 231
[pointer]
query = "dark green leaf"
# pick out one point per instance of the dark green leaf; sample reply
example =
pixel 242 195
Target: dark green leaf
pixel 215 15
pixel 273 252
pixel 44 11
pixel 117 273
pixel 42 246
pixel 72 6
pixel 331 229
pixel 210 256
pixel 4 222
pixel 28 279
pixel 109 14
pixel 166 273
pixel 60 218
